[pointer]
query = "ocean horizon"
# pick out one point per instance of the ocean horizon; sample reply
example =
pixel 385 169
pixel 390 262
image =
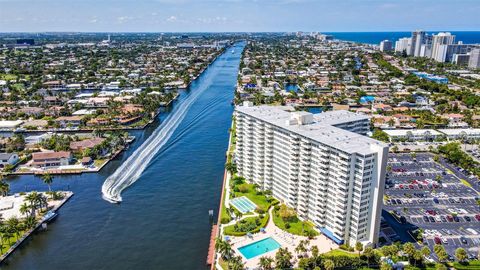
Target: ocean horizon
pixel 468 37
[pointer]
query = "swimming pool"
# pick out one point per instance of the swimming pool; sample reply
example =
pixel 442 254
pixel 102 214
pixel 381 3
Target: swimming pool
pixel 243 204
pixel 258 248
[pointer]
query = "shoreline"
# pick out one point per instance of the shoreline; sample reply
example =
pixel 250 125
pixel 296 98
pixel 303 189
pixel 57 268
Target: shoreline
pixel 218 224
pixel 29 233
pixel 80 171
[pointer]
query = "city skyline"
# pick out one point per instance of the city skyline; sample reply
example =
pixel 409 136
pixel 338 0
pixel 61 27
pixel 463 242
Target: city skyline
pixel 236 16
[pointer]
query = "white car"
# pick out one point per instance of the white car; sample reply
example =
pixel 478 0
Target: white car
pixel 472 231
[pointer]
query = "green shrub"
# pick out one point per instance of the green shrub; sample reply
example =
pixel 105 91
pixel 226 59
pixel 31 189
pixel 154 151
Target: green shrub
pixel 243 188
pixel 259 210
pixel 225 220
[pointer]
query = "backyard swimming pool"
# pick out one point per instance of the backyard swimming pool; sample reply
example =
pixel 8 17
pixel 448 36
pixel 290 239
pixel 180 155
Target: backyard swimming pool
pixel 258 248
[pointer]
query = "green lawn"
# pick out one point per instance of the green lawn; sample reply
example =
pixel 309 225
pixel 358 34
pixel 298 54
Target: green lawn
pixel 259 199
pixel 7 77
pixel 470 266
pixel 223 264
pixel 18 86
pixel 99 162
pixel 7 243
pixel 297 227
pixel 230 230
pixel 341 252
pixel 224 216
pixel 426 267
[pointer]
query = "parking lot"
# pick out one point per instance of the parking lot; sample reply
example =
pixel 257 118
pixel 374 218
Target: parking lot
pixel 431 196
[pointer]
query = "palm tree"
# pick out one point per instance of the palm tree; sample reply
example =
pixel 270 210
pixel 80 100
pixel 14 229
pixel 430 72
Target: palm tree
pixel 47 179
pixel 329 265
pixel 426 251
pixel 283 258
pixel 461 254
pixel 224 248
pixel 417 256
pixel 265 263
pixel 7 235
pixel 368 252
pixel 359 248
pixel 301 248
pixel 314 251
pixel 30 222
pixel 13 225
pixel 236 263
pixel 24 209
pixel 4 186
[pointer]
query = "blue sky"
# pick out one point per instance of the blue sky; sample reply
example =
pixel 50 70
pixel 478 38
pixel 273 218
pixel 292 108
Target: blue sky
pixel 238 15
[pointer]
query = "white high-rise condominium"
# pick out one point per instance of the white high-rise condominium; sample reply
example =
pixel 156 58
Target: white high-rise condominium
pixel 403 45
pixel 474 60
pixel 418 39
pixel 322 165
pixel 440 44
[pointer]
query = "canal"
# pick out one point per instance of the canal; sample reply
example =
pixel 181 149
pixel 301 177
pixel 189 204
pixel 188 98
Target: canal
pixel 163 221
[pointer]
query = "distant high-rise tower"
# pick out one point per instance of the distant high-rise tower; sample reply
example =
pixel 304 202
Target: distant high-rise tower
pixel 474 60
pixel 418 39
pixel 386 46
pixel 440 44
pixel 403 45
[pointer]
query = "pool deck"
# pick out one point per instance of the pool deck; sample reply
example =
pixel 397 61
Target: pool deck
pixel 285 239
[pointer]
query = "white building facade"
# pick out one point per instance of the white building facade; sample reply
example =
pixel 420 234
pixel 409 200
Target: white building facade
pixel 322 165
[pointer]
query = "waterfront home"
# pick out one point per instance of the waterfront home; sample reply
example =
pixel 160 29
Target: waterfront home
pixel 51 159
pixel 8 159
pixel 79 146
pixel 72 121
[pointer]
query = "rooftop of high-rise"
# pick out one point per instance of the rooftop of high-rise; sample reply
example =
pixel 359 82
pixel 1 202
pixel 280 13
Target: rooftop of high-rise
pixel 319 127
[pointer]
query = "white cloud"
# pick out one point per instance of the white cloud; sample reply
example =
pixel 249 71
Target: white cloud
pixel 172 19
pixel 124 19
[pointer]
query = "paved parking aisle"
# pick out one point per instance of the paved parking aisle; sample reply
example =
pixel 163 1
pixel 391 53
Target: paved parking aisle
pixel 421 193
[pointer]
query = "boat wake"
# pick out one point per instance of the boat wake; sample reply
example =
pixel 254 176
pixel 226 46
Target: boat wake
pixel 129 172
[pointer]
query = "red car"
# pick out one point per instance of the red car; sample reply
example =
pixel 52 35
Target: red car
pixel 477 217
pixel 437 240
pixel 449 218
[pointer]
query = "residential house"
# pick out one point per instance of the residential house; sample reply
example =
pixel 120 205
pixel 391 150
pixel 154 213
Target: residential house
pixel 69 121
pixel 51 159
pixel 8 159
pixel 455 120
pixel 89 143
